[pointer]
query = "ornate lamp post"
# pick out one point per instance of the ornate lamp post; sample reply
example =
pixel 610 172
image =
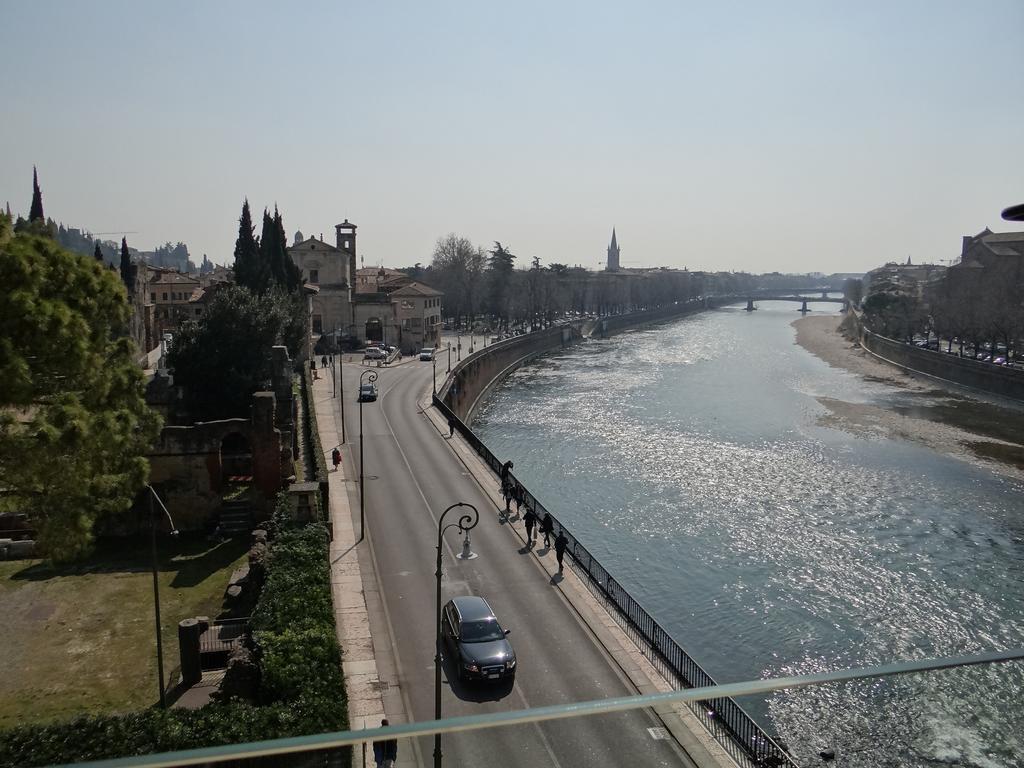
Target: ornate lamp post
pixel 449 357
pixel 370 377
pixel 465 524
pixel 156 588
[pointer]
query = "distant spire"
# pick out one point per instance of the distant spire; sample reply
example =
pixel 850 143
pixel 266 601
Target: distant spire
pixel 613 254
pixel 36 211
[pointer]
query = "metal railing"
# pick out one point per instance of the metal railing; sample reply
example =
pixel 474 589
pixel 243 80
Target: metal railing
pixel 734 729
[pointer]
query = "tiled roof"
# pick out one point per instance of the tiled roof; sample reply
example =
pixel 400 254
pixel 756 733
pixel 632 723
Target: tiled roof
pixel 416 289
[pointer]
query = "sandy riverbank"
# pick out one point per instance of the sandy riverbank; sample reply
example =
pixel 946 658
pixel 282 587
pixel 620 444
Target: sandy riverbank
pixel 946 420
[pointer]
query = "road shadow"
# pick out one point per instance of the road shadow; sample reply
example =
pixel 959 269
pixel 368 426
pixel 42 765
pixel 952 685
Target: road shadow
pixel 543 550
pixel 526 549
pixel 474 690
pixel 557 579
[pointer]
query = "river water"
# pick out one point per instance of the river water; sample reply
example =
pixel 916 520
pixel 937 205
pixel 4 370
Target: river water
pixel 694 461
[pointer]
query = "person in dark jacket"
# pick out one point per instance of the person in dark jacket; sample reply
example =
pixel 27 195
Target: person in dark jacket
pixel 560 544
pixel 529 519
pixel 385 751
pixel 547 527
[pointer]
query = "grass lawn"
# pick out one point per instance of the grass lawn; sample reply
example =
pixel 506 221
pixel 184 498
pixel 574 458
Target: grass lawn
pixel 79 638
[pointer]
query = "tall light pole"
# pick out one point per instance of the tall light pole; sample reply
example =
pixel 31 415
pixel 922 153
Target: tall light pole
pixel 449 357
pixel 465 524
pixel 156 589
pixel 458 348
pixel 370 376
pixel 434 380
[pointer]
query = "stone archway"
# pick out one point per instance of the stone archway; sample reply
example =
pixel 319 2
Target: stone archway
pixel 236 458
pixel 374 329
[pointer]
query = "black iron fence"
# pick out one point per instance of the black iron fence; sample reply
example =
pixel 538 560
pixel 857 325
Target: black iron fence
pixel 734 729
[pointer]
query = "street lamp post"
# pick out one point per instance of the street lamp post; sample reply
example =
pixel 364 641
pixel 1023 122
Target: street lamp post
pixel 434 380
pixel 156 589
pixel 370 376
pixel 449 357
pixel 465 524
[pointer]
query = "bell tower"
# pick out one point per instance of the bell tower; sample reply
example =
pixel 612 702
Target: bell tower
pixel 345 233
pixel 613 255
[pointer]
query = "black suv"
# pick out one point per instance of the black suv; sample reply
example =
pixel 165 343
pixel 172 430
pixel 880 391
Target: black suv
pixel 479 646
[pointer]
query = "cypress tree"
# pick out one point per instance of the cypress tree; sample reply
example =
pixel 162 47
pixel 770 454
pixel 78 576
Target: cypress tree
pixel 291 275
pixel 126 264
pixel 35 213
pixel 97 253
pixel 269 261
pixel 247 253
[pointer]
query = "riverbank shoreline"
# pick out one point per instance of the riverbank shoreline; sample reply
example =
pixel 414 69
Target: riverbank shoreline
pixel 946 419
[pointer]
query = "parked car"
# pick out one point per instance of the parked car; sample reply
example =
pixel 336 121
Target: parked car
pixel 426 354
pixel 374 353
pixel 367 393
pixel 478 645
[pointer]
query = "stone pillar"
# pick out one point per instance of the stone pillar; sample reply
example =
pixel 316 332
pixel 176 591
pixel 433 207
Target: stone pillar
pixel 189 631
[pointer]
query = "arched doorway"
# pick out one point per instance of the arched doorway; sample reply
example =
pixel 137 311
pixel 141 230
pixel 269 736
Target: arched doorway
pixel 374 329
pixel 236 458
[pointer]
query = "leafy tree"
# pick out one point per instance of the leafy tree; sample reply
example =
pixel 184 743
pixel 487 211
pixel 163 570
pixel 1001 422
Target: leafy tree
pixel 98 253
pixel 225 356
pixel 74 426
pixel 35 213
pixel 500 267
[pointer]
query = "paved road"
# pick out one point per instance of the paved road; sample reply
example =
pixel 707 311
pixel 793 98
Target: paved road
pixel 412 476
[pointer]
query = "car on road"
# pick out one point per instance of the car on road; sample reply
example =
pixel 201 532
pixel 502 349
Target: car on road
pixel 374 353
pixel 426 355
pixel 478 645
pixel 367 393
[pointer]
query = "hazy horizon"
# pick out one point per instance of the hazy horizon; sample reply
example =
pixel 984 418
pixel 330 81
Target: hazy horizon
pixel 799 138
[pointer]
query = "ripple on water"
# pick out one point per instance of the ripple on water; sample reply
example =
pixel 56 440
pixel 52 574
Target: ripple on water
pixel 688 460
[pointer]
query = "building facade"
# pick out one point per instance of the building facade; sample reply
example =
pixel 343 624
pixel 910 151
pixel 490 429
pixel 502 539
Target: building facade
pixel 418 317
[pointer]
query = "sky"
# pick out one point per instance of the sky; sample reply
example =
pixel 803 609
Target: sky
pixel 792 136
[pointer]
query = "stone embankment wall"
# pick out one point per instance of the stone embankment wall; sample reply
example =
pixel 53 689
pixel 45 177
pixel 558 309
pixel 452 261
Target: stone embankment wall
pixel 996 379
pixel 471 380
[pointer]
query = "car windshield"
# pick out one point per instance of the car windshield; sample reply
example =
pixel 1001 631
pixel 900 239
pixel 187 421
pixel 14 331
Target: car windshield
pixel 480 631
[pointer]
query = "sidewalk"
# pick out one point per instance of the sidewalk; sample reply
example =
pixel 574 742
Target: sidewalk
pixel 353 588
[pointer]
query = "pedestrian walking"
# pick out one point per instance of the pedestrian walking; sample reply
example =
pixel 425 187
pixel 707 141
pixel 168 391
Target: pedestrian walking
pixel 451 427
pixel 385 751
pixel 528 520
pixel 336 458
pixel 505 469
pixel 561 542
pixel 506 492
pixel 547 527
pixel 323 361
pixel 312 368
pixel 330 360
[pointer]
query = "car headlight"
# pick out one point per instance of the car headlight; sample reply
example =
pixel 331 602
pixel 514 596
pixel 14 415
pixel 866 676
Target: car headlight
pixel 472 667
pixel 510 664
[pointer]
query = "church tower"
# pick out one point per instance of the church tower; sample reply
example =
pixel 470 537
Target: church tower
pixel 613 255
pixel 345 233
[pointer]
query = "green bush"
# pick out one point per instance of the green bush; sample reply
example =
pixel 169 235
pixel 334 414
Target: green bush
pixel 302 688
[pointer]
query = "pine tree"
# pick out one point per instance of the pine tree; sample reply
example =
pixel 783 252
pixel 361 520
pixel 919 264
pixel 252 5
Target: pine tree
pixel 126 265
pixel 98 253
pixel 35 213
pixel 74 425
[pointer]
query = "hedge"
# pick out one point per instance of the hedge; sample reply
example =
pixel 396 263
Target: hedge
pixel 302 689
pixel 312 433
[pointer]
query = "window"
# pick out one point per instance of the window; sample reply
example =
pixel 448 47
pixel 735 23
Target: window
pixel 152 297
pixel 198 311
pixel 165 297
pixel 318 324
pixel 314 275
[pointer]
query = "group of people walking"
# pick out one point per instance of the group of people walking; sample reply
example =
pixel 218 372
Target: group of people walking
pixel 513 491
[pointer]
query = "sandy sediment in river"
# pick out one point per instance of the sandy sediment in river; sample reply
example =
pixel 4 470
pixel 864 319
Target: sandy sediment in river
pixel 944 419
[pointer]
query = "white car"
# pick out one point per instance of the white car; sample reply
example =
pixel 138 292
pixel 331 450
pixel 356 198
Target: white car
pixel 426 355
pixel 374 353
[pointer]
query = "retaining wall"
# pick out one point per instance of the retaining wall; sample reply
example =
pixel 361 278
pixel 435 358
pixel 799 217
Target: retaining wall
pixel 996 379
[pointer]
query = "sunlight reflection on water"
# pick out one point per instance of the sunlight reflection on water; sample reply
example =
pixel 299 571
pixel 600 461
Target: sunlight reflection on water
pixel 689 459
